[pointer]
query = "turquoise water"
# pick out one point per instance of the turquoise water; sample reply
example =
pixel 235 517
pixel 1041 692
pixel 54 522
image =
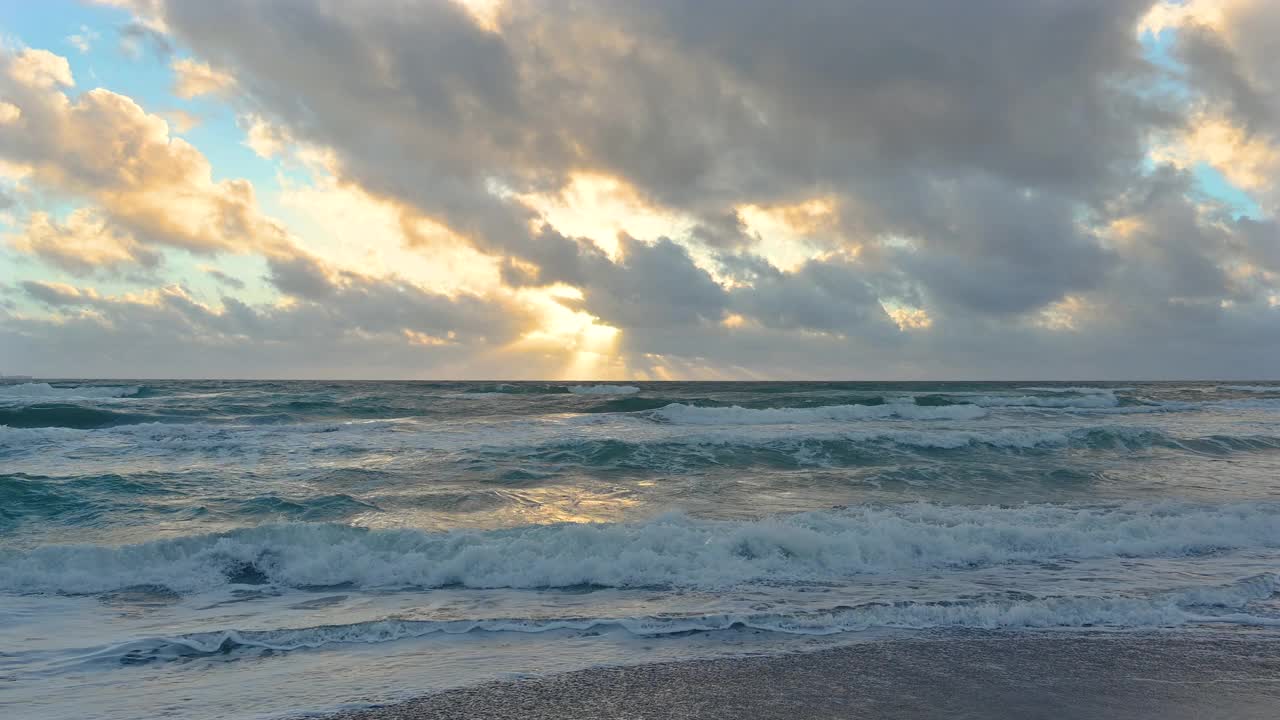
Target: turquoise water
pixel 161 541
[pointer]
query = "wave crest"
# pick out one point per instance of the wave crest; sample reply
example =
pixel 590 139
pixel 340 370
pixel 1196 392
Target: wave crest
pixel 670 551
pixel 996 611
pixel 681 414
pixel 44 392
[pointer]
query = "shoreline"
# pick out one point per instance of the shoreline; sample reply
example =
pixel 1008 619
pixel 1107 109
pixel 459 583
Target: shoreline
pixel 1002 675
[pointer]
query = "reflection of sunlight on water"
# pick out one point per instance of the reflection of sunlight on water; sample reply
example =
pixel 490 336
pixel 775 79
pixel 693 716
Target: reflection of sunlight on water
pixel 513 508
pixel 567 504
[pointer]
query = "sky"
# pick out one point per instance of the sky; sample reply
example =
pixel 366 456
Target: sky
pixel 673 189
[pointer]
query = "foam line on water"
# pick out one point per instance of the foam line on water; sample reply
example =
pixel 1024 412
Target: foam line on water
pixel 1223 604
pixel 669 551
pixel 1078 389
pixel 681 414
pixel 28 393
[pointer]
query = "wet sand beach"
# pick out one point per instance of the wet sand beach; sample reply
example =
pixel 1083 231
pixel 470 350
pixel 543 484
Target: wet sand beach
pixel 1215 675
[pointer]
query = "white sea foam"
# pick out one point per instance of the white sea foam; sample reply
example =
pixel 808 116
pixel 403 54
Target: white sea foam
pixel 1094 400
pixel 749 431
pixel 604 389
pixel 671 551
pixel 681 414
pixel 1221 604
pixel 1252 388
pixel 27 393
pixel 1077 389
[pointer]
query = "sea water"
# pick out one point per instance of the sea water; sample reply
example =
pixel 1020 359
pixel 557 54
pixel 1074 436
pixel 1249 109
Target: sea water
pixel 265 549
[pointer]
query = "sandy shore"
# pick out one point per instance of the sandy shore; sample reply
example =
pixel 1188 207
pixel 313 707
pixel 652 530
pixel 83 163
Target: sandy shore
pixel 1106 676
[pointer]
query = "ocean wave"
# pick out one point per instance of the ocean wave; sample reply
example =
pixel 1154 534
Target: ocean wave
pixel 65 415
pixel 670 551
pixel 681 414
pixel 198 436
pixel 44 392
pixel 629 440
pixel 23 497
pixel 1077 389
pixel 1088 401
pixel 603 389
pixel 858 448
pixel 517 389
pixel 1252 388
pixel 996 611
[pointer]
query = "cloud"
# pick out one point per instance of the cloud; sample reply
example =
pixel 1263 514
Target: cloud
pixel 833 189
pixel 58 294
pixel 878 102
pixel 181 121
pixel 831 296
pixel 265 139
pixel 39 69
pixel 83 40
pixel 84 243
pixel 193 78
pixel 137 36
pixel 103 147
pixel 1225 50
pixel 363 326
pixel 223 278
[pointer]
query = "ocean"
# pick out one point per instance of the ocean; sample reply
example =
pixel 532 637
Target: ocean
pixel 204 549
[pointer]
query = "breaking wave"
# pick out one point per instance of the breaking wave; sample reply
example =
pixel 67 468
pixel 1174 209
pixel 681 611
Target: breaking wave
pixel 1090 400
pixel 681 414
pixel 1077 389
pixel 673 551
pixel 619 438
pixel 44 392
pixel 996 611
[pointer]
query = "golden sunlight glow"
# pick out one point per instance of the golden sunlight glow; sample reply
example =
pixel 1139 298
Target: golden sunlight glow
pixel 907 317
pixel 789 234
pixel 349 228
pixel 1245 159
pixel 1124 228
pixel 14 171
pixel 1173 14
pixel 1062 315
pixel 483 12
pixel 585 348
pixel 9 112
pixel 423 339
pixel 599 207
pixel 807 217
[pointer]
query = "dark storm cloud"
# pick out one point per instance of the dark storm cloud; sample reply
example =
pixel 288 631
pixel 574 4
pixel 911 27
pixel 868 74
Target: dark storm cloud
pixel 995 249
pixel 824 296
